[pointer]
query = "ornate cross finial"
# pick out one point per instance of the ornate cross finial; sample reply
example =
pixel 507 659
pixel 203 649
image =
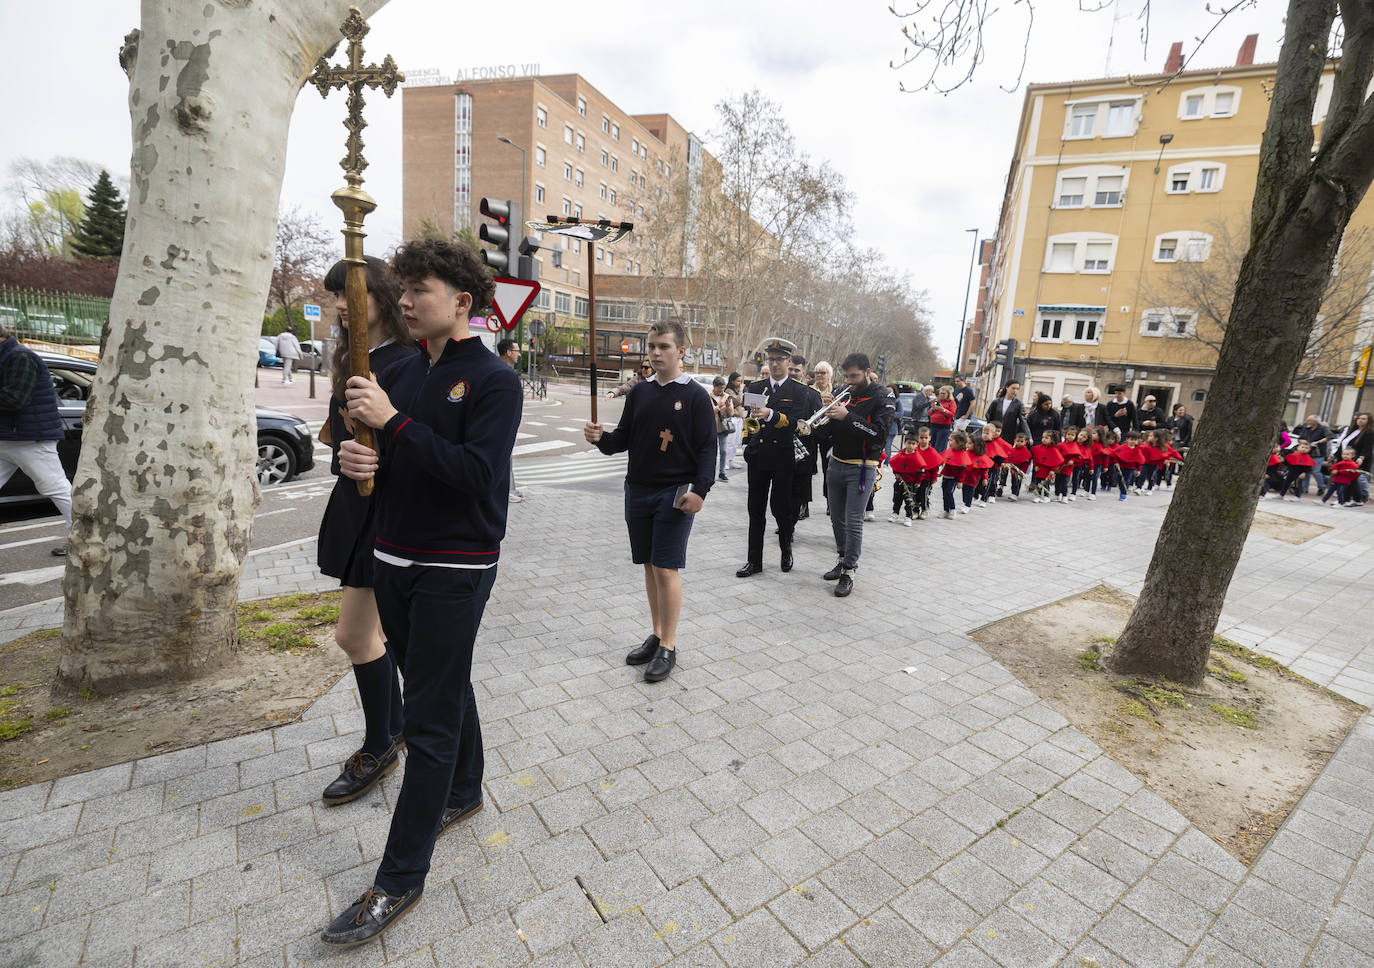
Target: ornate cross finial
pixel 356 78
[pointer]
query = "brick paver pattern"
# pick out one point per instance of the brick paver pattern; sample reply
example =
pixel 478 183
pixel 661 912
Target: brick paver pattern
pixel 821 781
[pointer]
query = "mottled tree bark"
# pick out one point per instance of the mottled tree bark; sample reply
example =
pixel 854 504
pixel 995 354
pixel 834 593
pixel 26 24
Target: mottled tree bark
pixel 1300 212
pixel 165 491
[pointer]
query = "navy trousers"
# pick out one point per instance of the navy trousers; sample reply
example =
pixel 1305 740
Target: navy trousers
pixel 430 616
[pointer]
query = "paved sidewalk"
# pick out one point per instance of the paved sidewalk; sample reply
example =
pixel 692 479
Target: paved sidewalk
pixel 822 781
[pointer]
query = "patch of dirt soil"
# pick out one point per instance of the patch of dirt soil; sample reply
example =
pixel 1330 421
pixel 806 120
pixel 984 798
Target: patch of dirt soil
pixel 286 659
pixel 1280 527
pixel 1233 756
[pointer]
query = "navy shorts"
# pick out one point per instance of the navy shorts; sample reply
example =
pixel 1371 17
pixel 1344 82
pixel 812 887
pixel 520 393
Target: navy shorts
pixel 658 531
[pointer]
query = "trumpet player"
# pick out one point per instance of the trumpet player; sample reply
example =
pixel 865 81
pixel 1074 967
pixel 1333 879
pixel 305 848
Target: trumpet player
pixel 858 428
pixel 770 454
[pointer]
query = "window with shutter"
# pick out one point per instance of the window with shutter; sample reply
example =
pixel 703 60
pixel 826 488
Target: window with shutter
pixel 1108 190
pixel 1097 256
pixel 1062 256
pixel 1071 191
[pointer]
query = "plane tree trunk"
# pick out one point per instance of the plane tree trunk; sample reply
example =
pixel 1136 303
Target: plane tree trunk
pixel 166 489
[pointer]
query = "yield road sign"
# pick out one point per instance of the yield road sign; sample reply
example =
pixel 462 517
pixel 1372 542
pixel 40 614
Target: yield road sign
pixel 512 298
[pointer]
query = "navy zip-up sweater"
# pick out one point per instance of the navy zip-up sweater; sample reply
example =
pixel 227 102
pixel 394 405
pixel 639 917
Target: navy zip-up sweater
pixel 444 475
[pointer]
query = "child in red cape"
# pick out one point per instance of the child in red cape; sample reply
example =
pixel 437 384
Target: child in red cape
pixel 1151 461
pixel 931 462
pixel 1019 460
pixel 1172 462
pixel 1343 474
pixel 1299 463
pixel 996 449
pixel 1100 471
pixel 1276 474
pixel 907 468
pixel 1128 460
pixel 974 477
pixel 1047 460
pixel 953 461
pixel 1068 449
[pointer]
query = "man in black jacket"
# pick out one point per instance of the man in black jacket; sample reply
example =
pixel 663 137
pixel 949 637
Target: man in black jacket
pixel 770 455
pixel 857 430
pixel 1121 411
pixel 1148 417
pixel 1008 411
pixel 445 424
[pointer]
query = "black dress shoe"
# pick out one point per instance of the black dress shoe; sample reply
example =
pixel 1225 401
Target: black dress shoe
pixel 749 569
pixel 453 815
pixel 804 513
pixel 644 653
pixel 787 561
pixel 361 773
pixel 661 664
pixel 60 551
pixel 834 573
pixel 369 916
pixel 845 586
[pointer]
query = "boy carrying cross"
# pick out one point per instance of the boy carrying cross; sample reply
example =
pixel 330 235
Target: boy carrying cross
pixel 669 428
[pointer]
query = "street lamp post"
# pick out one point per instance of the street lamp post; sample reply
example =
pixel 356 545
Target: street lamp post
pixel 518 230
pixel 963 320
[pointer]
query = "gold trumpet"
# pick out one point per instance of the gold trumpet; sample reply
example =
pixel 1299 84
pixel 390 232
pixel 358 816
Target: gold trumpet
pixel 752 425
pixel 817 419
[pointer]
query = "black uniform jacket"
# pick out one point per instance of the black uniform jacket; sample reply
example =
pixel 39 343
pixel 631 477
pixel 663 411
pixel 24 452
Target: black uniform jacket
pixel 771 448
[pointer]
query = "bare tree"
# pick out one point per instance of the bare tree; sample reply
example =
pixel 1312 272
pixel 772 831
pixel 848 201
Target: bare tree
pixel 305 250
pixel 1201 289
pixel 1302 203
pixel 165 491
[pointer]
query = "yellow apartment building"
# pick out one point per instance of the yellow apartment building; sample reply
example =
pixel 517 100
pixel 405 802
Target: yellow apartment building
pixel 1124 219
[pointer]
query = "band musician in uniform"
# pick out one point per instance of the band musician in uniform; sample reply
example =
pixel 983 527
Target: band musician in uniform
pixel 805 469
pixel 770 455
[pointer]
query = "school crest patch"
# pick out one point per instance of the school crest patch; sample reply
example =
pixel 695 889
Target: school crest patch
pixel 677 404
pixel 457 391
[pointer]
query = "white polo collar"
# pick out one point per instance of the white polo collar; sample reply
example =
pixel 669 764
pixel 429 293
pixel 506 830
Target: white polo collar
pixel 681 378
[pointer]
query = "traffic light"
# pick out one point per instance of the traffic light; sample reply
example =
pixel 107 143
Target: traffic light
pixel 882 365
pixel 1006 353
pixel 758 359
pixel 527 267
pixel 501 232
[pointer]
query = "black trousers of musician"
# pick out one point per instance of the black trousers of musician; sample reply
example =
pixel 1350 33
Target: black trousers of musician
pixel 770 489
pixel 430 616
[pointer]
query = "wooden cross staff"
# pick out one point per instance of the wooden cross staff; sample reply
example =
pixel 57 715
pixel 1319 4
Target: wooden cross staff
pixel 351 199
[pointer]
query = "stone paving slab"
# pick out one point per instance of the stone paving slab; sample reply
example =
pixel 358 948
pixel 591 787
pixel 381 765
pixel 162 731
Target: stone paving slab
pixel 821 782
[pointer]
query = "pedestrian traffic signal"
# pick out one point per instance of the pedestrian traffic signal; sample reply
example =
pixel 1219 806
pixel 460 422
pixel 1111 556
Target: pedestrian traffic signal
pixel 1006 353
pixel 500 232
pixel 882 365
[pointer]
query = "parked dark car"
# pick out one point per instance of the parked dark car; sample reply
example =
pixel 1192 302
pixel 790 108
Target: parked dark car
pixel 285 447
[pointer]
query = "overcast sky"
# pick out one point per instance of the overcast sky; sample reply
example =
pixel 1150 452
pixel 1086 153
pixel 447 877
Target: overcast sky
pixel 923 167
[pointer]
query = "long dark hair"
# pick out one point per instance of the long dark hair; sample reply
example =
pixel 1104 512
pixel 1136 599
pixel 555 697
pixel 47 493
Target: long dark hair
pixel 381 284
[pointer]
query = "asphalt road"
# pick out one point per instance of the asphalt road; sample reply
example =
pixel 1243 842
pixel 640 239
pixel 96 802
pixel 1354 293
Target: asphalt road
pixel 550 440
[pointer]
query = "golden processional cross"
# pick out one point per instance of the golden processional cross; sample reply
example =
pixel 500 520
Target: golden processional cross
pixel 351 199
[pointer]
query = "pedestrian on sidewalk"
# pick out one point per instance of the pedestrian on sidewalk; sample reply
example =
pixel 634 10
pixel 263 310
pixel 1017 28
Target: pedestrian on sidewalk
pixel 445 422
pixel 347 538
pixel 289 349
pixel 30 428
pixel 668 427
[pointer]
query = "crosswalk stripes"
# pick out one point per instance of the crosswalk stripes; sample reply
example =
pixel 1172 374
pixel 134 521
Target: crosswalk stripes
pixel 583 466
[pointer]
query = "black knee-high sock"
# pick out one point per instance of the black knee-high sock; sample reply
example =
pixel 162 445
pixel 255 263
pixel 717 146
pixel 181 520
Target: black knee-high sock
pixel 398 718
pixel 374 692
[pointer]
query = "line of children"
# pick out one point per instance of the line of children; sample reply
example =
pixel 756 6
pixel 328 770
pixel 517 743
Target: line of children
pixel 1085 459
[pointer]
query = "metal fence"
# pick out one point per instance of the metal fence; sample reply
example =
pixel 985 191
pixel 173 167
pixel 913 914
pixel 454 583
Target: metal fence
pixel 55 317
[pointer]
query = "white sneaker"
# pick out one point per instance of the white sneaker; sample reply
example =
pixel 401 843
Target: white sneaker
pixel 950 514
pixel 1012 497
pixel 1137 490
pixel 893 517
pixel 993 500
pixel 870 516
pixel 982 502
pixel 1073 497
pixel 963 510
pixel 906 522
pixel 1091 497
